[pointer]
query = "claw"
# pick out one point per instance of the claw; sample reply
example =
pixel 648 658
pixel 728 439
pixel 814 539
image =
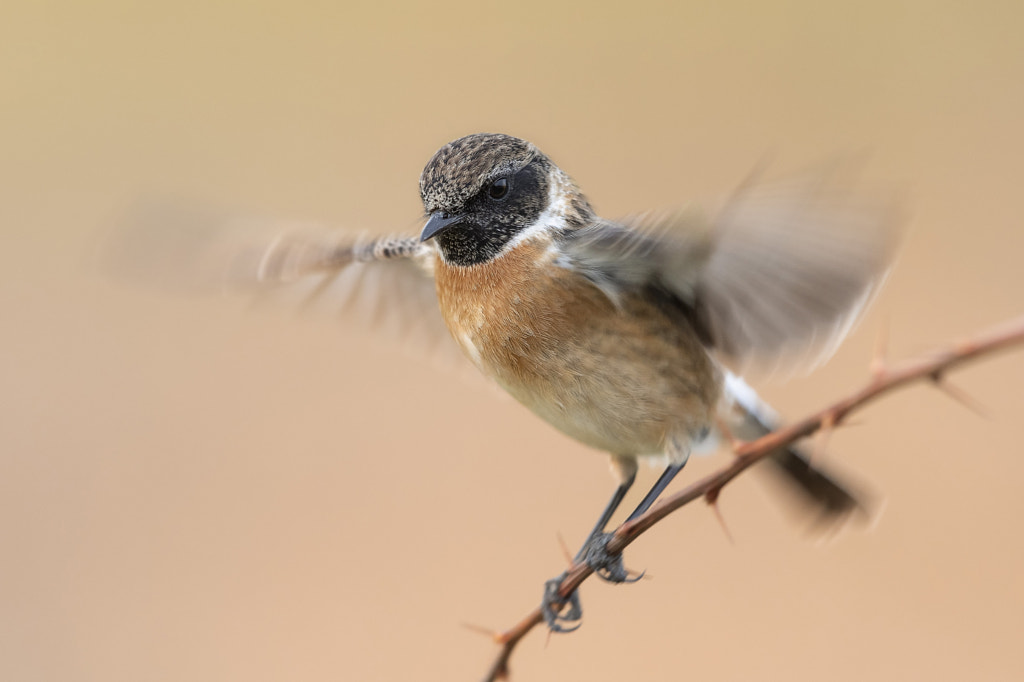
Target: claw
pixel 607 566
pixel 620 575
pixel 553 603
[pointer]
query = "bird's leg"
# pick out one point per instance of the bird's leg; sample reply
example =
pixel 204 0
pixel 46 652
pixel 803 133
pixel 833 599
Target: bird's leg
pixel 607 566
pixel 606 515
pixel 595 553
pixel 659 487
pixel 553 603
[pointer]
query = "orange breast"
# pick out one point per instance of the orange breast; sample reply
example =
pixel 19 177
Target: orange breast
pixel 623 377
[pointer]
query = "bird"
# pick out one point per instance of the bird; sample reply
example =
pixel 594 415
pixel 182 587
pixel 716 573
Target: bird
pixel 630 335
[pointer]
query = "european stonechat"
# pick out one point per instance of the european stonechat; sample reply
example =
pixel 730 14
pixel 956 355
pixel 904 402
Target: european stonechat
pixel 625 335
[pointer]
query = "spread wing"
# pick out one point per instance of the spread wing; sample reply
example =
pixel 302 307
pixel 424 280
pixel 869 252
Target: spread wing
pixel 776 279
pixel 384 282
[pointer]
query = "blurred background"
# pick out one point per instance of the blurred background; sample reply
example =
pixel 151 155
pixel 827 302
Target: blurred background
pixel 194 488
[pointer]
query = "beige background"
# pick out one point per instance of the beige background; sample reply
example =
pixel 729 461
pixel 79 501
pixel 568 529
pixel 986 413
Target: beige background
pixel 194 489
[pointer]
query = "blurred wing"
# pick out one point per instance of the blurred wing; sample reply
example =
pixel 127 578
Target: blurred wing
pixel 795 263
pixel 775 281
pixel 383 282
pixel 668 249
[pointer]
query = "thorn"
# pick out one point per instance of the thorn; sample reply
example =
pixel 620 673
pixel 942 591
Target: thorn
pixel 565 550
pixel 879 363
pixel 822 436
pixel 964 347
pixel 712 499
pixel 498 637
pixel 734 443
pixel 726 432
pixel 741 448
pixel 959 395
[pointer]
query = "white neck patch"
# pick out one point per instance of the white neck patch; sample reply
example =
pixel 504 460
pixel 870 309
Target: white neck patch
pixel 552 219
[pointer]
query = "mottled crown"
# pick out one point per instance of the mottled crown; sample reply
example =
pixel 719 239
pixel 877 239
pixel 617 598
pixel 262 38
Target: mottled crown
pixel 460 169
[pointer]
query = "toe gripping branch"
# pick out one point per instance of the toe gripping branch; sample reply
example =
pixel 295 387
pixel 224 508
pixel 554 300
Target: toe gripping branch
pixel 607 566
pixel 553 603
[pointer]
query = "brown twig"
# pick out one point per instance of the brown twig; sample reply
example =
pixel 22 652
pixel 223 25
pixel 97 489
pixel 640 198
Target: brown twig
pixel 883 380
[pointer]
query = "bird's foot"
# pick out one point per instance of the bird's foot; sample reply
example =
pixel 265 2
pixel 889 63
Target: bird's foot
pixel 607 566
pixel 565 614
pixel 553 604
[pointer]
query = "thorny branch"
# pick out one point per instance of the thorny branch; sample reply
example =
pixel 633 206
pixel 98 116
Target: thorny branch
pixel 884 379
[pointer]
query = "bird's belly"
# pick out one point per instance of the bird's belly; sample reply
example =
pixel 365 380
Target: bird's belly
pixel 618 389
pixel 610 411
pixel 627 379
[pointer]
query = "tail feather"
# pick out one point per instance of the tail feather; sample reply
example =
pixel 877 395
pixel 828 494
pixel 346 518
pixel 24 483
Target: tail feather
pixel 832 500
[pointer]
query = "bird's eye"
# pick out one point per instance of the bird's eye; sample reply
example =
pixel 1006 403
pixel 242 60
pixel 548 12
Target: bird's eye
pixel 498 189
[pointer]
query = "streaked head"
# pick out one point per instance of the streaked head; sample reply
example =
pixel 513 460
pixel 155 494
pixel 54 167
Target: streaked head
pixel 483 190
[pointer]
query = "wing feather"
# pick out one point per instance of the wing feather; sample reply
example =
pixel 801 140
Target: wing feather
pixel 383 282
pixel 777 278
pixel 793 266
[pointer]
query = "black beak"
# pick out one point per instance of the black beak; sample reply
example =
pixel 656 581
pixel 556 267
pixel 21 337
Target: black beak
pixel 439 221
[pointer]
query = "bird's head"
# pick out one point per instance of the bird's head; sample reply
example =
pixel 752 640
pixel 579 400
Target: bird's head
pixel 482 191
